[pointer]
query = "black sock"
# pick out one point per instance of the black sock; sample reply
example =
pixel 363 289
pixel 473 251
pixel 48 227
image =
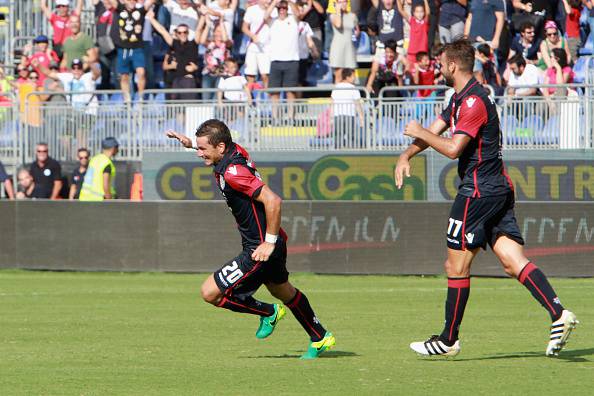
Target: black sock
pixel 458 292
pixel 246 304
pixel 535 281
pixel 302 311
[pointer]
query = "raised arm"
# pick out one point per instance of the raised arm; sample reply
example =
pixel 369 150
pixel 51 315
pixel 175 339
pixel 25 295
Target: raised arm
pixel 427 9
pixel 79 7
pixel 44 8
pixel 148 4
pixel 296 11
pixel 270 10
pixel 183 139
pixel 159 28
pixel 401 10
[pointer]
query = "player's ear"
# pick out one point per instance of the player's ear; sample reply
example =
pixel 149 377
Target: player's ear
pixel 221 147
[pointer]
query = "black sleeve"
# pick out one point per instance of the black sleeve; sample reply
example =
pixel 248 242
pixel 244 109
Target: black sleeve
pixel 56 171
pixel 107 169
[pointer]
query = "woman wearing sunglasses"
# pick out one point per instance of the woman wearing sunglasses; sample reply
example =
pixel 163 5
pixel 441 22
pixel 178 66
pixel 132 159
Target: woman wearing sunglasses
pixel 553 39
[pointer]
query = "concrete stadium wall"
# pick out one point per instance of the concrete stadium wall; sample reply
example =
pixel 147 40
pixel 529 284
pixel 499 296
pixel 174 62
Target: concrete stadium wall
pixel 324 237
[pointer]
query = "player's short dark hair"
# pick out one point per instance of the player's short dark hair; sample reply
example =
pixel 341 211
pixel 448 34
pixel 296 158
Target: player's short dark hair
pixel 461 52
pixel 392 44
pixel 346 73
pixel 216 131
pixel 526 25
pixel 420 55
pixel 517 59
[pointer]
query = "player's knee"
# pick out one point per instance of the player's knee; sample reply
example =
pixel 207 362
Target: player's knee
pixel 210 295
pixel 454 271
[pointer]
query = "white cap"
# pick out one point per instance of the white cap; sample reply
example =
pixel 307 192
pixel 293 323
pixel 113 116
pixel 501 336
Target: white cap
pixel 63 2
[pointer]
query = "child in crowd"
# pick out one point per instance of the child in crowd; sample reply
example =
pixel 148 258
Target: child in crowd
pixel 424 73
pixel 233 85
pixel 485 71
pixel 419 32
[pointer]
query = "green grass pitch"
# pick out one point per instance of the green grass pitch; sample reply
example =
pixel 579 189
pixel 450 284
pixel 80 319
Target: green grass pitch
pixel 150 334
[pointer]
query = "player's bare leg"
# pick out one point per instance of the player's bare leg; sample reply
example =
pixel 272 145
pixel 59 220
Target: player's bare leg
pixel 457 268
pixel 321 340
pixel 516 264
pixel 237 303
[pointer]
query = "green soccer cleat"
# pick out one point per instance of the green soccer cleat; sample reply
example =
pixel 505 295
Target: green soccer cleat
pixel 268 323
pixel 315 349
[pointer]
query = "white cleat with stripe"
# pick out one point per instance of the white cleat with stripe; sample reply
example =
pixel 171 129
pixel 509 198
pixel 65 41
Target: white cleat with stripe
pixel 435 347
pixel 560 331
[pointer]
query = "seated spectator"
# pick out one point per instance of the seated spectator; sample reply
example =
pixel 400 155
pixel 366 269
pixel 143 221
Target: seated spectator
pixel 186 61
pixel 218 49
pixel 284 51
pixel 528 44
pixel 346 108
pixel 223 11
pixel 313 13
pixel 59 20
pixel 77 45
pixel 129 43
pixel 484 22
pixel 485 71
pixel 342 50
pixel 573 12
pixel 452 15
pixel 386 71
pixel 104 15
pixel 419 32
pixel 257 58
pixel 424 74
pixel 78 174
pixel 7 181
pixel 26 187
pixel 233 87
pixel 182 12
pixel 559 73
pixel 43 54
pixel 46 173
pixel 525 76
pixel 552 40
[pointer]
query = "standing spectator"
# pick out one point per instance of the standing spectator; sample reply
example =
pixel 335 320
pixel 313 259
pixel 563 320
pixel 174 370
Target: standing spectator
pixel 573 12
pixel 43 54
pixel 345 109
pixel 424 73
pixel 552 40
pixel 590 10
pixel 419 32
pixel 284 52
pixel 485 22
pixel 130 25
pixel 59 20
pixel 29 105
pixel 182 12
pixel 218 50
pixel 78 174
pixel 522 74
pixel 99 181
pixel 389 22
pixel 527 44
pixel 342 50
pixel 26 187
pixel 54 103
pixel 307 50
pixel 77 45
pixel 4 179
pixel 257 58
pixel 104 16
pixel 46 173
pixel 233 87
pixel 404 8
pixel 452 14
pixel 559 73
pixel 313 13
pixel 223 11
pixel 186 56
pixel 386 70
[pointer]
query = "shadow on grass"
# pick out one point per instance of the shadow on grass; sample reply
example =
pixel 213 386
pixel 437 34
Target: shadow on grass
pixel 326 355
pixel 573 356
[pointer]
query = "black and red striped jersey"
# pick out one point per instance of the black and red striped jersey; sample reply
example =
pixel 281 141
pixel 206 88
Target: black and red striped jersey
pixel 240 184
pixel 480 166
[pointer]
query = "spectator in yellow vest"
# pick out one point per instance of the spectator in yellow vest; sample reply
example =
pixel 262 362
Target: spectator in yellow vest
pixel 99 181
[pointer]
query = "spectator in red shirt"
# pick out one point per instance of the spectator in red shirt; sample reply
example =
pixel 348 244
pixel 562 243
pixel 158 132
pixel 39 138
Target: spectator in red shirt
pixel 44 55
pixel 424 73
pixel 59 20
pixel 419 32
pixel 573 11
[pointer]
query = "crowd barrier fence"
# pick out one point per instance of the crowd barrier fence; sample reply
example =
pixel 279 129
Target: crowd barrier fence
pixel 271 122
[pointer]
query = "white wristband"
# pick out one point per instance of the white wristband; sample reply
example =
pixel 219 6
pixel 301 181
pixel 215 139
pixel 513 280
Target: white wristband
pixel 270 238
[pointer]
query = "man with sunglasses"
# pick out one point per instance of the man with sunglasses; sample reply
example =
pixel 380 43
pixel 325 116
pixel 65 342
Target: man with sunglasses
pixel 46 173
pixel 59 20
pixel 78 174
pixel 527 44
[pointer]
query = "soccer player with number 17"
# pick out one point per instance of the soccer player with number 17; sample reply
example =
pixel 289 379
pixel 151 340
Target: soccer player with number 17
pixel 257 210
pixel 482 212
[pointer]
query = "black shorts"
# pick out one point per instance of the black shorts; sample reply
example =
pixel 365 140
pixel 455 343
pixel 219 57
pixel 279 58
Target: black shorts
pixel 474 222
pixel 283 74
pixel 242 275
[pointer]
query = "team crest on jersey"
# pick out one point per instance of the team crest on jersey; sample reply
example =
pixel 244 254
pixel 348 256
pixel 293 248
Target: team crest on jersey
pixel 470 102
pixel 232 170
